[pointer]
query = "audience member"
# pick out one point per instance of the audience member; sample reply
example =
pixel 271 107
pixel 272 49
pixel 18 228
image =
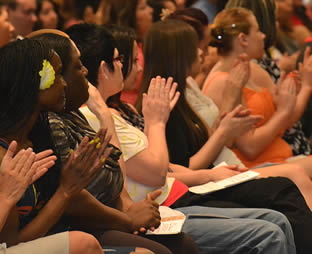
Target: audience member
pixel 6 28
pixel 22 15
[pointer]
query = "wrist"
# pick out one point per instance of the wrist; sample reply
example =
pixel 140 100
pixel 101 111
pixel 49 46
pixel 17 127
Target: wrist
pixel 129 224
pixel 62 193
pixel 7 202
pixel 223 133
pixel 149 126
pixel 203 176
pixel 306 87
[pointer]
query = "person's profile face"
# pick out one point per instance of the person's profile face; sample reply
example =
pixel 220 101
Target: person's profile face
pixel 23 17
pixel 6 28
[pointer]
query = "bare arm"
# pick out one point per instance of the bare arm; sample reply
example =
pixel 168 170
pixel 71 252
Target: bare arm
pixel 80 169
pixel 202 176
pixel 233 125
pixel 254 142
pixel 150 166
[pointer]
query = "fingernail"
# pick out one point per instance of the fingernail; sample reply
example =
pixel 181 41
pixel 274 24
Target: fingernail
pixel 97 140
pixel 98 145
pixel 91 142
pixel 71 151
pixel 103 160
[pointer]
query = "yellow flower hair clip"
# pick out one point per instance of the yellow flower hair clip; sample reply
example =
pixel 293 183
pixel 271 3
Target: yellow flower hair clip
pixel 165 13
pixel 47 75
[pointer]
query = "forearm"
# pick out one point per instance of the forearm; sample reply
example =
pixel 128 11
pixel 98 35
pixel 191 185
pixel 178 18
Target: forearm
pixel 256 141
pixel 6 207
pixel 210 151
pixel 187 176
pixel 87 213
pixel 46 218
pixel 232 97
pixel 157 148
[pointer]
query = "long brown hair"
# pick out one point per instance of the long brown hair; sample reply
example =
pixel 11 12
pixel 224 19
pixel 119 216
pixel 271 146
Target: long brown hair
pixel 170 49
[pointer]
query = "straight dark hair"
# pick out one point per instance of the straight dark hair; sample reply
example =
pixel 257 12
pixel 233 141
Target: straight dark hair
pixel 170 49
pixel 125 38
pixel 95 43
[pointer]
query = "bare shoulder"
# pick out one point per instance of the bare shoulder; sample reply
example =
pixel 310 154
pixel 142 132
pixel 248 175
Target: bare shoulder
pixel 215 80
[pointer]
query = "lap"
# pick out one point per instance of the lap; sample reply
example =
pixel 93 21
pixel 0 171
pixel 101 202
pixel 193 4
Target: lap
pixel 54 244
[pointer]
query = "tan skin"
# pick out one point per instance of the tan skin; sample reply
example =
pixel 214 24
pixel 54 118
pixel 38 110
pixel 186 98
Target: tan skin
pixel 6 28
pixel 285 100
pixel 48 16
pixel 76 174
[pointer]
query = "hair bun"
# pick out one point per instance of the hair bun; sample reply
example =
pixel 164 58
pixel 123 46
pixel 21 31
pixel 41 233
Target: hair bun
pixel 217 36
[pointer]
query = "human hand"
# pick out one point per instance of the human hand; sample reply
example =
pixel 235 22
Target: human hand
pixel 18 172
pixel 285 95
pixel 95 103
pixel 238 122
pixel 84 163
pixel 99 108
pixel 145 214
pixel 288 63
pixel 110 78
pixel 210 59
pixel 157 103
pixel 240 72
pixel 220 173
pixel 305 69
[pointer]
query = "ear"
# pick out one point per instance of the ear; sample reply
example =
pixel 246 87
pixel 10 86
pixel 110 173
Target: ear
pixel 243 40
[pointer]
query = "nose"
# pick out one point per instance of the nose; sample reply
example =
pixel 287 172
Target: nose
pixel 34 18
pixel 85 71
pixel 11 29
pixel 63 82
pixel 151 10
pixel 263 36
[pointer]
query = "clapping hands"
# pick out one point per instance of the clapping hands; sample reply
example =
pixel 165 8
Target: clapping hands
pixel 19 171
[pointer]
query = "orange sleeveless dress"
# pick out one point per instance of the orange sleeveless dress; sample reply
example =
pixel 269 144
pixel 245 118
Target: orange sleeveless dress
pixel 261 103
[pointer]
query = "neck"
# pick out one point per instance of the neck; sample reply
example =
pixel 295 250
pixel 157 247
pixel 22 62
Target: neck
pixel 21 136
pixel 227 61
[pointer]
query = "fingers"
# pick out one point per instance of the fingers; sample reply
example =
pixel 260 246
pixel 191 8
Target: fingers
pixel 41 155
pixel 11 150
pixel 174 101
pixel 20 159
pixel 151 89
pixel 153 195
pixel 306 55
pixel 46 162
pixel 236 110
pixel 173 88
pixel 243 169
pixel 102 70
pixel 39 173
pixel 27 162
pixel 232 167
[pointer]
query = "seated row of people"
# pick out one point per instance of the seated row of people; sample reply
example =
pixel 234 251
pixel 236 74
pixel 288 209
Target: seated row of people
pixel 37 115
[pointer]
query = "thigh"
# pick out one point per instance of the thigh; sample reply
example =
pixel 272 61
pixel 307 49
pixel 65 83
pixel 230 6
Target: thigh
pixel 237 235
pixel 54 244
pixel 204 215
pixel 118 239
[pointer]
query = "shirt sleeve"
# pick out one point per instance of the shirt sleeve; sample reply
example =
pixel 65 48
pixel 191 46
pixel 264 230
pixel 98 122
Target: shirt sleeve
pixel 132 140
